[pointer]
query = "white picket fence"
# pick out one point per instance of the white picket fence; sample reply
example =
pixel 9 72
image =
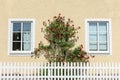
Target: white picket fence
pixel 59 71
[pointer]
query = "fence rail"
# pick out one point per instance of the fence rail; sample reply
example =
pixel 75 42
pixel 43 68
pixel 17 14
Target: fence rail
pixel 59 71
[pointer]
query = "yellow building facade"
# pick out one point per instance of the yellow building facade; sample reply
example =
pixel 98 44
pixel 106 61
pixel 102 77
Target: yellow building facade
pixel 102 15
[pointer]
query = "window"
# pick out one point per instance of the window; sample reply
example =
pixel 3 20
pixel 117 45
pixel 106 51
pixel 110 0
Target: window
pixel 98 36
pixel 21 36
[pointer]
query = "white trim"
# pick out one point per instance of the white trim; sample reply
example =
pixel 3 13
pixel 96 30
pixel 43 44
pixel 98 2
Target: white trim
pixel 109 52
pixel 20 53
pixel 110 33
pixel 14 19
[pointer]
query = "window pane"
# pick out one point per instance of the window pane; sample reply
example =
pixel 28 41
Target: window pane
pixel 93 46
pixel 102 26
pixel 26 46
pixel 93 37
pixel 26 26
pixel 16 36
pixel 16 46
pixel 92 26
pixel 102 37
pixel 16 26
pixel 26 36
pixel 102 32
pixel 103 47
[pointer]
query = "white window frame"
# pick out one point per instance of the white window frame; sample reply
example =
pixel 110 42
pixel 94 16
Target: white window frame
pixel 20 53
pixel 109 52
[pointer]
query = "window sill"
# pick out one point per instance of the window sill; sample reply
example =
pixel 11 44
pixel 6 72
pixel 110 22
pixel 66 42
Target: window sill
pixel 100 53
pixel 20 54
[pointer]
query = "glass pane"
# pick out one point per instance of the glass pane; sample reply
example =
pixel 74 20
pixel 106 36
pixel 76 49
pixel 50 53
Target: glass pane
pixel 16 26
pixel 102 26
pixel 26 36
pixel 93 46
pixel 92 26
pixel 26 26
pixel 103 47
pixel 102 37
pixel 93 37
pixel 102 32
pixel 16 46
pixel 103 43
pixel 16 36
pixel 26 46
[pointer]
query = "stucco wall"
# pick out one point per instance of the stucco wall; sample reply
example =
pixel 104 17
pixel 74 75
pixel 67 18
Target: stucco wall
pixel 42 10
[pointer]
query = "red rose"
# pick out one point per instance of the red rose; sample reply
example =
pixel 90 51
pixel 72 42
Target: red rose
pixel 85 53
pixel 92 56
pixel 51 29
pixel 55 17
pixel 81 46
pixel 59 14
pixel 81 57
pixel 67 24
pixel 71 21
pixel 46 38
pixel 38 49
pixel 79 27
pixel 44 23
pixel 88 57
pixel 48 20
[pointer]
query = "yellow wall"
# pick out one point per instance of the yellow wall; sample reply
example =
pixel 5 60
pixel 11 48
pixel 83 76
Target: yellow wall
pixel 42 10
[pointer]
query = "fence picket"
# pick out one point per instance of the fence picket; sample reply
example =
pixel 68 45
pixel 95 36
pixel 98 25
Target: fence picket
pixel 87 74
pixel 45 70
pixel 32 70
pixel 4 70
pixel 102 73
pixel 28 70
pixel 112 74
pixel 24 70
pixel 109 71
pixel 116 71
pixel 38 70
pixel 119 71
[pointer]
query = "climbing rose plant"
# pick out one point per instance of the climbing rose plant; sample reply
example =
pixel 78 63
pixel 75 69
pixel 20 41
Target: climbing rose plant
pixel 61 36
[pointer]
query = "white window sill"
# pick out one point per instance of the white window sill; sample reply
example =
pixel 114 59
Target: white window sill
pixel 27 53
pixel 102 53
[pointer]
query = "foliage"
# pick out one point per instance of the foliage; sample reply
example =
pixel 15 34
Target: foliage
pixel 61 36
